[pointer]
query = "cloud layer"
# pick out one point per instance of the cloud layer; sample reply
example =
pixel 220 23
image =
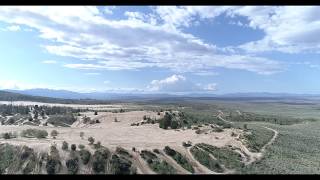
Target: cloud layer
pixel 139 41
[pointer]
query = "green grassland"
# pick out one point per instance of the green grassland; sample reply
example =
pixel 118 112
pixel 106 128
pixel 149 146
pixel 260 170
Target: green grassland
pixel 295 151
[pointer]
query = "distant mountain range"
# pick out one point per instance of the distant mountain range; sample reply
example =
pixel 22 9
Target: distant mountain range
pixel 64 94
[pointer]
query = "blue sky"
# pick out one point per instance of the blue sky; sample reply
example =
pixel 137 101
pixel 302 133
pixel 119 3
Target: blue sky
pixel 155 49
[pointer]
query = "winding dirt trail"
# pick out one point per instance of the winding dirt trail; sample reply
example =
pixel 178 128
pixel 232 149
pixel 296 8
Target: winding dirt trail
pixel 259 155
pixel 276 133
pixel 222 119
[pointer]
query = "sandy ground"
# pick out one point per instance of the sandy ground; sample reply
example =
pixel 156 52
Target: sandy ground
pixel 112 134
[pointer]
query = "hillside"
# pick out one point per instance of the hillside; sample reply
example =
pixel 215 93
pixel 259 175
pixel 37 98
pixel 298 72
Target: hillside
pixel 10 96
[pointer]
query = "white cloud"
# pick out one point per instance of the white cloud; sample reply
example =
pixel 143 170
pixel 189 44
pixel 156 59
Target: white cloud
pixel 289 29
pixel 109 9
pixel 49 62
pixel 210 87
pixel 141 41
pixel 206 73
pixel 14 28
pixel 106 82
pixel 178 83
pixel 9 85
pixel 92 74
pixel 185 16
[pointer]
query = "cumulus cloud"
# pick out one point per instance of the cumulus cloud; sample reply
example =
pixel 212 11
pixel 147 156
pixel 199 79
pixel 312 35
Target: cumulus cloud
pixel 140 41
pixel 178 83
pixel 289 29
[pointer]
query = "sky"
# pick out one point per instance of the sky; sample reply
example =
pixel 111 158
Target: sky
pixel 161 49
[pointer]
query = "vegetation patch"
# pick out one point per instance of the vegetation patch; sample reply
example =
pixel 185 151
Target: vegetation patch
pixel 229 158
pixel 62 120
pixel 157 165
pixel 256 137
pixel 121 165
pixel 34 133
pixel 72 163
pixel 54 164
pixel 204 158
pixel 100 159
pixel 85 156
pixel 179 158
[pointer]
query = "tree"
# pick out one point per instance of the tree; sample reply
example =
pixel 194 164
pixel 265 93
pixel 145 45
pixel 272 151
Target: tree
pixel 73 147
pixel 65 145
pixel 73 165
pixel 54 133
pixel 81 135
pixel 85 156
pixel 91 140
pixel 174 124
pixel 6 136
pixel 166 121
pixel 36 115
pixel 98 145
pixel 43 115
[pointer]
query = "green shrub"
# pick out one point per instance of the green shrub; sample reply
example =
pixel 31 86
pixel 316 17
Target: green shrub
pixel 81 135
pixel 121 151
pixel 81 146
pixel 62 120
pixel 204 158
pixel 7 135
pixel 184 144
pixel 73 165
pixel 85 156
pixel 226 156
pixel 91 140
pixel 34 133
pixel 97 145
pixel 65 145
pixel 174 125
pixel 179 158
pixel 73 147
pixel 53 165
pixel 157 165
pixel 100 158
pixel 120 165
pixel 54 133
